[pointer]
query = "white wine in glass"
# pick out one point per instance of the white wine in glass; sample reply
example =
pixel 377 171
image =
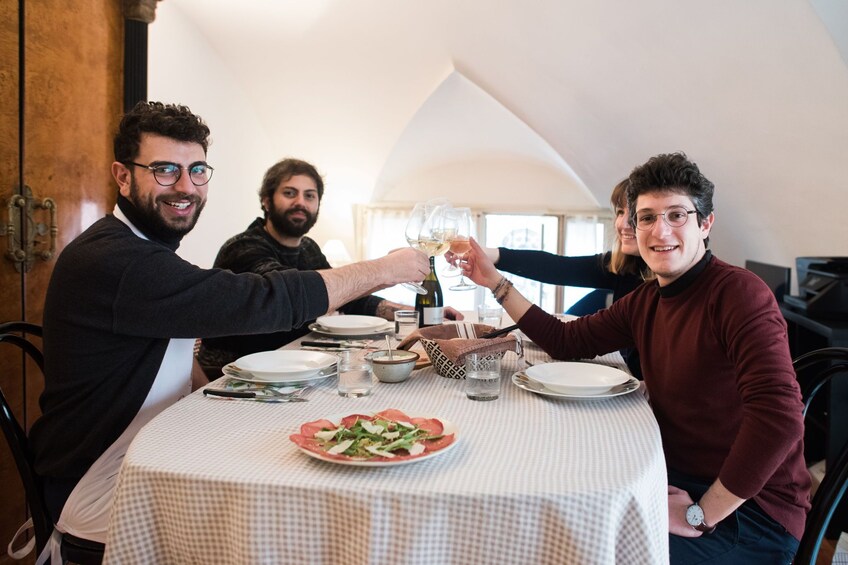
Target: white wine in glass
pixel 413 237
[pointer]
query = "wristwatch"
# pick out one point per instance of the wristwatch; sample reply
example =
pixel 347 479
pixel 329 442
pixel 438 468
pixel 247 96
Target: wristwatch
pixel 695 518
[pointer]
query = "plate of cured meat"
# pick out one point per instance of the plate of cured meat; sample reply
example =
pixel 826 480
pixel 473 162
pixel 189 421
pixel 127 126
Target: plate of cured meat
pixel 386 438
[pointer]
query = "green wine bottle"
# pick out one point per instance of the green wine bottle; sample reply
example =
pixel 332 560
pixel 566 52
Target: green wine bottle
pixel 430 306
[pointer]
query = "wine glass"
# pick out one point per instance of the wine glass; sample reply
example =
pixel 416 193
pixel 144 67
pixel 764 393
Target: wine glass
pixel 449 227
pixel 460 243
pixel 413 237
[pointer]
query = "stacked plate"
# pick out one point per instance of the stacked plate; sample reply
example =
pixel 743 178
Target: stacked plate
pixel 576 380
pixel 350 326
pixel 282 366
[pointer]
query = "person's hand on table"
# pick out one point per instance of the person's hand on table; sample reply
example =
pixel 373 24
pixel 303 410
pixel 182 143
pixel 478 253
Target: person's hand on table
pixel 452 313
pixel 678 501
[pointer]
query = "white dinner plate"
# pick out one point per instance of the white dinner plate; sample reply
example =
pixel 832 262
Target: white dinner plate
pixel 577 378
pixel 330 371
pixel 449 428
pixel 350 323
pixel 627 387
pixel 319 329
pixel 283 365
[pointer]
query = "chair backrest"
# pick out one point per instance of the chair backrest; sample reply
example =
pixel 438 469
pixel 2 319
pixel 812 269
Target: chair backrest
pixel 819 367
pixel 15 333
pixel 779 279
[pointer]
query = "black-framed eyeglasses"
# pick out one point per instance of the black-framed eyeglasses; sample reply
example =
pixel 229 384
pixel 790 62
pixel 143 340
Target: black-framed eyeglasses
pixel 674 216
pixel 168 174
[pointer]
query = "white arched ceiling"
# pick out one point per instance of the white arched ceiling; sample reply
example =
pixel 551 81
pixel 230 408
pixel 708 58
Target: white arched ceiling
pixel 755 92
pixel 464 144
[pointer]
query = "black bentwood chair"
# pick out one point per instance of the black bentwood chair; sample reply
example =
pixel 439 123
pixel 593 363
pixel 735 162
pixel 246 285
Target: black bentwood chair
pixel 74 549
pixel 817 368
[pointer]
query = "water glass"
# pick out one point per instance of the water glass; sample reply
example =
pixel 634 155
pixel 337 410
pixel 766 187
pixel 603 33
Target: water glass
pixel 406 322
pixel 489 315
pixel 482 377
pixel 356 377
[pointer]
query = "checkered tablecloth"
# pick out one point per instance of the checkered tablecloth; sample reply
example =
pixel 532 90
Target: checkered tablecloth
pixel 531 480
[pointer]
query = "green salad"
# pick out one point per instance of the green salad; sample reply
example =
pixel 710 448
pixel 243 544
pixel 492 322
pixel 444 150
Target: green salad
pixel 377 437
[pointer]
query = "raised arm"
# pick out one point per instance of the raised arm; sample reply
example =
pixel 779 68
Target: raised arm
pixel 352 281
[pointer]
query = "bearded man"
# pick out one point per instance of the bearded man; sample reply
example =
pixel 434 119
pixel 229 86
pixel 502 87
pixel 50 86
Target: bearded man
pixel 290 197
pixel 123 311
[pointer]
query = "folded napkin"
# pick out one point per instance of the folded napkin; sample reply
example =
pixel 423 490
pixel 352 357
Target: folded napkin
pixel 458 340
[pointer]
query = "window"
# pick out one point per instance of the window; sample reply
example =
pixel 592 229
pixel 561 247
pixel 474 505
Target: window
pixel 566 233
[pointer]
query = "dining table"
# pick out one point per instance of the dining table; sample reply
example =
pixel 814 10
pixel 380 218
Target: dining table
pixel 530 478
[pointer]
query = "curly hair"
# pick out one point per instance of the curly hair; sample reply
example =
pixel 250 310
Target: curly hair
pixel 283 171
pixel 168 120
pixel 672 172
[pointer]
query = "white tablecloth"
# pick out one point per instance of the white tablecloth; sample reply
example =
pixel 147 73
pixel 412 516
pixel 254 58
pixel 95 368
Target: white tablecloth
pixel 531 480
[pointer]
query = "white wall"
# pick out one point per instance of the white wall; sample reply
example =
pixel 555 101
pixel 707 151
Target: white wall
pixel 755 92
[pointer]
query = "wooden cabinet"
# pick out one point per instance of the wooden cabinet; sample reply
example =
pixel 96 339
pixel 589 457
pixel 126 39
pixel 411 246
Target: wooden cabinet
pixel 61 83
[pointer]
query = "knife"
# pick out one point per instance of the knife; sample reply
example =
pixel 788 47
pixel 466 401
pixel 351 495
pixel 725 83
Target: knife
pixel 499 332
pixel 345 344
pixel 240 394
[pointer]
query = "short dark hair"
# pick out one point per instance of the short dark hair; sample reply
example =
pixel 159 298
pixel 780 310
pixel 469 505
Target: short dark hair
pixel 283 171
pixel 671 172
pixel 168 120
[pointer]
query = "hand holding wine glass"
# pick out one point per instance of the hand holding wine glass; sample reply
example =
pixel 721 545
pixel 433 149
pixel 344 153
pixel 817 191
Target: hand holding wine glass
pixel 414 225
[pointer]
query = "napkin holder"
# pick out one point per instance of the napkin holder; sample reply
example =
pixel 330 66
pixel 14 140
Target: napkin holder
pixel 447 345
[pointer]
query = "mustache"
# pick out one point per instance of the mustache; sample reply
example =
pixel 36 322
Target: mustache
pixel 193 198
pixel 291 211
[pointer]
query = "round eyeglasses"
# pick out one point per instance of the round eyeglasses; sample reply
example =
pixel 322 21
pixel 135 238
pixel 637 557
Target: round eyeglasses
pixel 168 174
pixel 674 216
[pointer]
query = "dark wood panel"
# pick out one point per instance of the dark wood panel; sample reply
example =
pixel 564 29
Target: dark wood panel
pixel 73 84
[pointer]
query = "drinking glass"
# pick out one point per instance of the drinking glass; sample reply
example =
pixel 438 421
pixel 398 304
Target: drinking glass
pixel 413 234
pixel 489 315
pixel 406 322
pixel 482 377
pixel 356 376
pixel 460 244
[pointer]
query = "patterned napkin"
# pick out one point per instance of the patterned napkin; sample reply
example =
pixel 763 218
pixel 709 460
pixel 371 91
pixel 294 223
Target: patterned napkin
pixel 458 340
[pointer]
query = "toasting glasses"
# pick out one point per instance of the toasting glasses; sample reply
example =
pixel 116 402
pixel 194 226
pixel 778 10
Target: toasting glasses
pixel 460 243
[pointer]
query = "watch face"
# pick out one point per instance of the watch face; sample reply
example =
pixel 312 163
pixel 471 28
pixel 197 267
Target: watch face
pixel 695 515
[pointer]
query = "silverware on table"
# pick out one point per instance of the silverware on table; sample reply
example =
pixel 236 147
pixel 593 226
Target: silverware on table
pixel 252 395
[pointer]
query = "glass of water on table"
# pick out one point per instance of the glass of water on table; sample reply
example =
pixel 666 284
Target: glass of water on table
pixel 482 377
pixel 356 376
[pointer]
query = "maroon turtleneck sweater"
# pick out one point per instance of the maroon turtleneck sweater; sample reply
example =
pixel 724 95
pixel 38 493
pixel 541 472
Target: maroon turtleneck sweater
pixel 716 362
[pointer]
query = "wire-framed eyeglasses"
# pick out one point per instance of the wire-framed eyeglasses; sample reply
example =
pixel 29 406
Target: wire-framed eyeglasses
pixel 168 174
pixel 674 216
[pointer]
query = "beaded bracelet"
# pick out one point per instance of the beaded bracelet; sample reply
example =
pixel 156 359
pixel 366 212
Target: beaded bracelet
pixel 500 297
pixel 499 286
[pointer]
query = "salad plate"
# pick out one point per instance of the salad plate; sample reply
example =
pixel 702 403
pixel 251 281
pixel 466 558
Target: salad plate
pixel 520 380
pixel 436 434
pixel 349 324
pixel 378 330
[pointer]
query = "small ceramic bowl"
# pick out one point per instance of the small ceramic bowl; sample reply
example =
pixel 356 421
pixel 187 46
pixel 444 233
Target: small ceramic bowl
pixel 394 370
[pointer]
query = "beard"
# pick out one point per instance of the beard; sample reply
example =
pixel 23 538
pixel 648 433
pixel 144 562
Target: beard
pixel 157 225
pixel 285 225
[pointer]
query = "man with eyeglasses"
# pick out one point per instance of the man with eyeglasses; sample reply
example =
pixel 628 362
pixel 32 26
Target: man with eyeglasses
pixel 290 197
pixel 716 362
pixel 123 310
